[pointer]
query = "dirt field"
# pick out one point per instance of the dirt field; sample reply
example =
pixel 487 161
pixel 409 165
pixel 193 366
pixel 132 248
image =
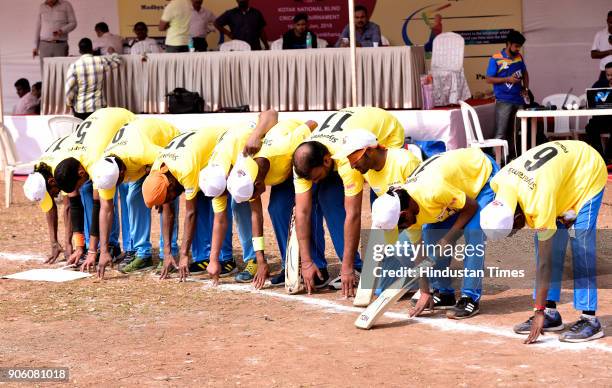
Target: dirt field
pixel 136 330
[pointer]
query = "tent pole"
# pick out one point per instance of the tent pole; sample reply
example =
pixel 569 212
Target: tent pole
pixel 351 9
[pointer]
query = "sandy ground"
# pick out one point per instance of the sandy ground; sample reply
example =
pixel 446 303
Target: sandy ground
pixel 130 330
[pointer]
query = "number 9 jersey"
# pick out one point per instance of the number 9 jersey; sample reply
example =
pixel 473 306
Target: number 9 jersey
pixel 551 179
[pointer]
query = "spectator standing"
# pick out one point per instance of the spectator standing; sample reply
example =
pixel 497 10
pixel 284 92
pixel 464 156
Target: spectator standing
pixel 27 100
pixel 175 21
pixel 367 33
pixel 143 44
pixel 602 48
pixel 245 23
pixel 55 20
pixel 296 37
pixel 107 43
pixel 85 80
pixel 508 74
pixel 202 23
pixel 599 125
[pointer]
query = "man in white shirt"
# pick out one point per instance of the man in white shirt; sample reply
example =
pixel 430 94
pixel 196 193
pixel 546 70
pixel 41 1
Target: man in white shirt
pixel 175 21
pixel 143 44
pixel 107 43
pixel 55 20
pixel 602 48
pixel 27 101
pixel 202 23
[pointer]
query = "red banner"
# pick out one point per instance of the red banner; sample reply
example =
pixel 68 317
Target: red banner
pixel 326 18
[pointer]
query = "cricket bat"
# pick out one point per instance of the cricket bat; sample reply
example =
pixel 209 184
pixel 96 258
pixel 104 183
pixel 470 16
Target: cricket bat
pixel 388 297
pixel 293 283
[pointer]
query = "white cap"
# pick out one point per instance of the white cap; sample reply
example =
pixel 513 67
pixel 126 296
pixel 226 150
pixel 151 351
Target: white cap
pixel 497 220
pixel 35 189
pixel 386 212
pixel 241 181
pixel 355 140
pixel 105 173
pixel 213 181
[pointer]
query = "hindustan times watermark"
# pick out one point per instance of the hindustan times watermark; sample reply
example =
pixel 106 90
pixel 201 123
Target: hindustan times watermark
pixel 430 272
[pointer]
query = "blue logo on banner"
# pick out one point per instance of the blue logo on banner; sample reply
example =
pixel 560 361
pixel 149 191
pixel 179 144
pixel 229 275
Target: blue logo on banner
pixel 601 96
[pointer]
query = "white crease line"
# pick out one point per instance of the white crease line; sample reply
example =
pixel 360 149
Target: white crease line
pixel 547 341
pixel 20 257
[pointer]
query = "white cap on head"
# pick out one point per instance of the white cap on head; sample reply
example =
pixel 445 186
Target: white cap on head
pixel 35 189
pixel 105 173
pixel 386 212
pixel 213 181
pixel 496 220
pixel 241 181
pixel 355 140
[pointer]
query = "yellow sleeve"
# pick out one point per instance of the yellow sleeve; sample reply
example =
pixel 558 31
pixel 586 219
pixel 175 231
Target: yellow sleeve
pixel 545 220
pixel 450 196
pixel 219 203
pixel 352 180
pixel 415 233
pixel 107 195
pixel 301 185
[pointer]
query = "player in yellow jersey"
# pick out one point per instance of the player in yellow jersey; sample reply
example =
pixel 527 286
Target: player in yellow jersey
pixel 271 166
pixel 72 175
pixel 334 188
pixel 175 171
pixel 213 184
pixel 555 188
pixel 40 186
pixel 441 200
pixel 127 159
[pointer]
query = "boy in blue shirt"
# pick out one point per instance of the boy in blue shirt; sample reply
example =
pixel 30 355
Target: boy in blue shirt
pixel 508 74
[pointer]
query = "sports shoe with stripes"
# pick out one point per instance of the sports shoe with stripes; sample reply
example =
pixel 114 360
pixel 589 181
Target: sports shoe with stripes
pixel 465 308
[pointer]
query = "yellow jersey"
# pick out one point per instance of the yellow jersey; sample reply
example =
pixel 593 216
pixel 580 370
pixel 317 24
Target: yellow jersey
pixel 187 154
pixel 55 153
pixel 381 123
pixel 549 180
pixel 441 184
pixel 95 133
pixel 137 144
pixel 399 164
pixel 225 154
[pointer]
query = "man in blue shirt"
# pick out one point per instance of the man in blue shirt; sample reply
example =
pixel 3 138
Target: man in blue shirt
pixel 508 74
pixel 366 32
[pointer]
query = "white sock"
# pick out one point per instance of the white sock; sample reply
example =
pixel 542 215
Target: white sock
pixel 589 317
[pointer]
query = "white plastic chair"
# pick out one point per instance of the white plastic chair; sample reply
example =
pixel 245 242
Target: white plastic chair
pixel 321 43
pixel 277 44
pixel 565 127
pixel 474 137
pixel 449 83
pixel 384 41
pixel 61 126
pixel 235 45
pixel 10 162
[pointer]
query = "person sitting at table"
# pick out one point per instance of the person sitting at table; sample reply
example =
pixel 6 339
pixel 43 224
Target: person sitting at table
pixel 27 100
pixel 296 37
pixel 107 43
pixel 367 33
pixel 601 124
pixel 143 44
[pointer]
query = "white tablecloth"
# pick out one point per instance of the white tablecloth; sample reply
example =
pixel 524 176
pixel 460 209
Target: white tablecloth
pixel 292 80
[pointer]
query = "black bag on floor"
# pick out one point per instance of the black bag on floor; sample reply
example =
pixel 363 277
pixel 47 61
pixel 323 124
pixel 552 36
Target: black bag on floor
pixel 182 101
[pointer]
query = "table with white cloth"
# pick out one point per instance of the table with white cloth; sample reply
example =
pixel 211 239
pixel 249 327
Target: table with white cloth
pixel 525 115
pixel 291 80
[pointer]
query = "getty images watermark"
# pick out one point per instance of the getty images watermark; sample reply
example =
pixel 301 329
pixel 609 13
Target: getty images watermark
pixel 405 253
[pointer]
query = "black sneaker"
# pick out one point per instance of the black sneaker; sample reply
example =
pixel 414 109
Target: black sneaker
pixel 116 254
pixel 278 280
pixel 228 268
pixel 444 301
pixel 465 308
pixel 320 284
pixel 127 259
pixel 198 267
pixel 585 329
pixel 552 322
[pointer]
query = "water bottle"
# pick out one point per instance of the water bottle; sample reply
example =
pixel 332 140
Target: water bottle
pixel 190 45
pixel 308 40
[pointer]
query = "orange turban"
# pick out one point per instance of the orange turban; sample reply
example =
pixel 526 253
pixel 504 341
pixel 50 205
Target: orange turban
pixel 155 188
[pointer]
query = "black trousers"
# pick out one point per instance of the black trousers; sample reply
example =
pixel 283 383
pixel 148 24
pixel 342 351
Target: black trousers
pixel 82 116
pixel 596 126
pixel 200 44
